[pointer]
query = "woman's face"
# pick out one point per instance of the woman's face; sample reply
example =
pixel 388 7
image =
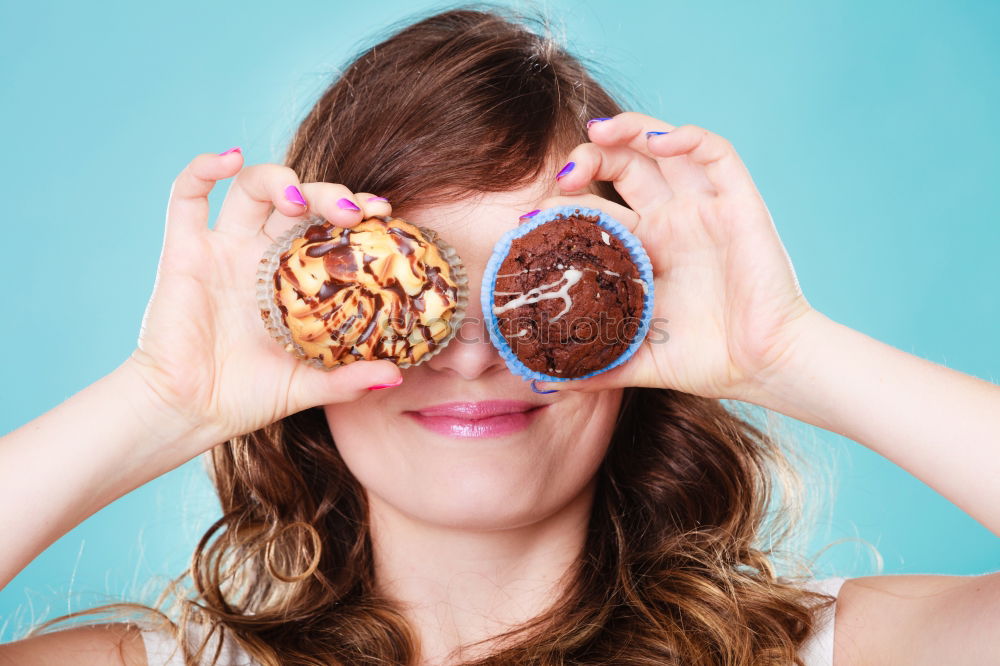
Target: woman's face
pixel 429 448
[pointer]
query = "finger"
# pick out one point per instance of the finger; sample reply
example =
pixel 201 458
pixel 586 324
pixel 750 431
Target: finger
pixel 187 207
pixel 372 205
pixel 333 202
pixel 255 193
pixel 312 387
pixel 632 129
pixel 634 372
pixel 636 177
pixel 611 379
pixel 629 218
pixel 715 155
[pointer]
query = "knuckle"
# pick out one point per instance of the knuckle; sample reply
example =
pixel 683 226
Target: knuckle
pixel 185 176
pixel 709 138
pixel 337 188
pixel 322 189
pixel 699 132
pixel 579 151
pixel 267 173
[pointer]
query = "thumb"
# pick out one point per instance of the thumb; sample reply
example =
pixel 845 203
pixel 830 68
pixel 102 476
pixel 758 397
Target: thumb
pixel 614 378
pixel 312 387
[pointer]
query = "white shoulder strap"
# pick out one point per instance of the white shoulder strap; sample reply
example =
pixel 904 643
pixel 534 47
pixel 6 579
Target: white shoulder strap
pixel 818 648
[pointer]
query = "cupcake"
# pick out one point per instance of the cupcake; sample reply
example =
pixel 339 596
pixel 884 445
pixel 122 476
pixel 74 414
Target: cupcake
pixel 567 295
pixel 382 289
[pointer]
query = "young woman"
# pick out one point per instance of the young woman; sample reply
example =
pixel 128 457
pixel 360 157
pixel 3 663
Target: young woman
pixel 449 514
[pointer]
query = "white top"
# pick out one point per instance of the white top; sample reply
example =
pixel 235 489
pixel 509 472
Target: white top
pixel 818 648
pixel 161 648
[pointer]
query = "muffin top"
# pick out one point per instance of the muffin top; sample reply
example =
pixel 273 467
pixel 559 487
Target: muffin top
pixel 568 298
pixel 382 289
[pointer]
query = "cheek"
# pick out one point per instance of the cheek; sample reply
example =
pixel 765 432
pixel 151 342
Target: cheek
pixel 471 484
pixel 360 431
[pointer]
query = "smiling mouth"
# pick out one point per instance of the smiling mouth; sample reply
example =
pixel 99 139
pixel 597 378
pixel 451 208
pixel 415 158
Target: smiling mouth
pixel 487 419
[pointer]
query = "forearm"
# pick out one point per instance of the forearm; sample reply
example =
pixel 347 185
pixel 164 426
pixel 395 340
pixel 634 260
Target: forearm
pixel 939 424
pixel 62 467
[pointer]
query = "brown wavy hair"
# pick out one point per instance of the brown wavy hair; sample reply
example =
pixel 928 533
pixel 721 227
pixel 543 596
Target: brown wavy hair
pixel 693 498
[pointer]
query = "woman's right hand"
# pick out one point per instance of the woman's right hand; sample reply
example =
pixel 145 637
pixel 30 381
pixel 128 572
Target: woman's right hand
pixel 203 352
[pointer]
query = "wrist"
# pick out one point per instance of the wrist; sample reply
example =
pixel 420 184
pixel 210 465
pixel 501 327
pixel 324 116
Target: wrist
pixel 164 430
pixel 788 384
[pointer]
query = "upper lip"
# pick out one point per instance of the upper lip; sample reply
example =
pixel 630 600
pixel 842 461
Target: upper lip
pixel 477 410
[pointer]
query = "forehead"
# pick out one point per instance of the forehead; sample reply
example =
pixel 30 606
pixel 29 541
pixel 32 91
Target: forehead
pixel 473 225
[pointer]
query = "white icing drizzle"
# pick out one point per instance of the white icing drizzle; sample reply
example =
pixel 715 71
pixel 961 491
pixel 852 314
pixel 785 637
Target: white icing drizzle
pixel 520 334
pixel 642 283
pixel 605 238
pixel 569 277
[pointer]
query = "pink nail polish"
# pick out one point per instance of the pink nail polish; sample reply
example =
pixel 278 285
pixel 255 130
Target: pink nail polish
pixel 292 194
pixel 378 199
pixel 347 204
pixel 232 150
pixel 382 386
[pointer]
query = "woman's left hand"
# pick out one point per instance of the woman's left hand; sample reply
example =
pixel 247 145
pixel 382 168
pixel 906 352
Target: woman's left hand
pixel 726 294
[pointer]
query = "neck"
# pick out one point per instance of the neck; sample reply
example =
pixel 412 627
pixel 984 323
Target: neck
pixel 459 586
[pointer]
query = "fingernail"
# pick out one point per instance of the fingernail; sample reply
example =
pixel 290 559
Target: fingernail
pixel 656 133
pixel 529 215
pixel 538 390
pixel 232 150
pixel 347 204
pixel 565 170
pixel 382 386
pixel 377 199
pixel 596 120
pixel 292 194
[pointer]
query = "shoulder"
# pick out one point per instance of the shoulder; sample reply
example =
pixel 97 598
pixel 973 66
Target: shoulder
pixel 112 644
pixel 918 619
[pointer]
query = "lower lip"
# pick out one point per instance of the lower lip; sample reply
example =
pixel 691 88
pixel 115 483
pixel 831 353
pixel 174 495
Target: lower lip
pixel 493 426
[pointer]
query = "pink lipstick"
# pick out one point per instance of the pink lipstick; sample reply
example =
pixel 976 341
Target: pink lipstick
pixel 490 418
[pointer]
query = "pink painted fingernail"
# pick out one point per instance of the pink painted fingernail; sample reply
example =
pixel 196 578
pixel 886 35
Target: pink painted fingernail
pixel 565 170
pixel 377 199
pixel 382 386
pixel 530 215
pixel 232 150
pixel 596 120
pixel 347 204
pixel 292 194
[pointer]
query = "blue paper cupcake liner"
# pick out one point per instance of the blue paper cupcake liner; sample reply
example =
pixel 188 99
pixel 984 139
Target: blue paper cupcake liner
pixel 502 248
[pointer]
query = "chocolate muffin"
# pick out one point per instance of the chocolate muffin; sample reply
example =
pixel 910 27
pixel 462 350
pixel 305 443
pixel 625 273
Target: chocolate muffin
pixel 382 289
pixel 568 297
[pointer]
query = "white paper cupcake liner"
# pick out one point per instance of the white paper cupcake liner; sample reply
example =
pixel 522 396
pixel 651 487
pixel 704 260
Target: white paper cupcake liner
pixel 271 314
pixel 502 248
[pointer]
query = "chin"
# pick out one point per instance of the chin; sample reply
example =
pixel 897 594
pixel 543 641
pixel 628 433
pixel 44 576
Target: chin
pixel 475 497
pixel 475 483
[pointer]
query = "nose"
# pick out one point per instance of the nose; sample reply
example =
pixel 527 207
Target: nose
pixel 470 354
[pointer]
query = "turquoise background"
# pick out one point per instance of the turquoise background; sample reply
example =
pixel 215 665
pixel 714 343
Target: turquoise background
pixel 870 128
